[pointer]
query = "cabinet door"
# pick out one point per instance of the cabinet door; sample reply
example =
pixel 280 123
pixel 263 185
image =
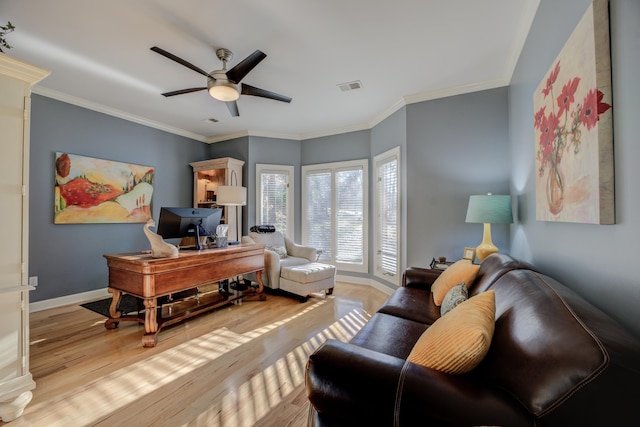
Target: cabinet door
pixel 11 182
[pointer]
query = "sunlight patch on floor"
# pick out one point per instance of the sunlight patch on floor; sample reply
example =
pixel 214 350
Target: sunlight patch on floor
pixel 255 398
pixel 108 394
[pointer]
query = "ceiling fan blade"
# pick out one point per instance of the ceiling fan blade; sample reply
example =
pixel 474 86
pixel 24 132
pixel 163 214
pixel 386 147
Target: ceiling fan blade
pixel 255 91
pixel 238 72
pixel 233 108
pixel 183 91
pixel 179 60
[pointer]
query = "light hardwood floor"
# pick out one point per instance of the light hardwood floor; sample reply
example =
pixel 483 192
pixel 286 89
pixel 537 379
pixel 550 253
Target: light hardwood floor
pixel 240 365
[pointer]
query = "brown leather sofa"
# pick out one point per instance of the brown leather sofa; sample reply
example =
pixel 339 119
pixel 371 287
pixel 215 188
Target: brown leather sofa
pixel 554 360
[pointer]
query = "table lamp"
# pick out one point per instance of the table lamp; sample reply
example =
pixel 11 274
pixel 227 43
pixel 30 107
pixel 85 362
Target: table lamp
pixel 232 195
pixel 489 209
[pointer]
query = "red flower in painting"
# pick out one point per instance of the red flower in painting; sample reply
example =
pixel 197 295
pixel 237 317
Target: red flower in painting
pixel 538 118
pixel 551 79
pixel 566 97
pixel 548 132
pixel 563 128
pixel 592 108
pixel 602 106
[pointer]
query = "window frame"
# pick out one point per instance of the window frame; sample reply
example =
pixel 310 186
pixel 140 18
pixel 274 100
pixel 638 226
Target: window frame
pixel 378 161
pixel 333 168
pixel 262 168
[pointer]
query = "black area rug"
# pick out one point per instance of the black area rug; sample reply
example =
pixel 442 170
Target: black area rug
pixel 128 304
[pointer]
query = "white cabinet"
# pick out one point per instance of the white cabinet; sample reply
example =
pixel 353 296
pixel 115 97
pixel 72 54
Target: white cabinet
pixel 207 176
pixel 16 383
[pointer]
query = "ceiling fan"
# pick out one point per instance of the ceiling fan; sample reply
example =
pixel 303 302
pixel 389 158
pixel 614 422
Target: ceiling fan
pixel 223 84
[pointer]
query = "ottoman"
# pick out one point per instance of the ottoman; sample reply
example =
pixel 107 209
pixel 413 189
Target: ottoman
pixel 306 279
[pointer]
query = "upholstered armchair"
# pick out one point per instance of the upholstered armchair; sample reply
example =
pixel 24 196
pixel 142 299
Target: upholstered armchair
pixel 279 252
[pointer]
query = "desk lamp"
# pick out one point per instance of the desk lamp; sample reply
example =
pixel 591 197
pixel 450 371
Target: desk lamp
pixel 489 209
pixel 232 195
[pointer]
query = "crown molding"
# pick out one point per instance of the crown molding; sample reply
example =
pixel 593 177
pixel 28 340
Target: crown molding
pixel 80 102
pixel 411 99
pixel 264 134
pixel 335 131
pixel 21 70
pixel 458 90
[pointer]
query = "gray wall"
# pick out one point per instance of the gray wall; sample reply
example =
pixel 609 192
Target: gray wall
pixel 598 261
pixel 67 258
pixel 456 147
pixel 273 151
pixel 336 148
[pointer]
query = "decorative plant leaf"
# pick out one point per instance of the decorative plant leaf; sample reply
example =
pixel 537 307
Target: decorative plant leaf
pixel 5 29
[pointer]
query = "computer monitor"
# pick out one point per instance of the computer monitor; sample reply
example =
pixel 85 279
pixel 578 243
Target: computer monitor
pixel 176 223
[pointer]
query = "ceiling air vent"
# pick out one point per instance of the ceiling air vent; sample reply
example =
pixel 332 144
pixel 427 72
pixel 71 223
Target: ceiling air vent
pixel 356 84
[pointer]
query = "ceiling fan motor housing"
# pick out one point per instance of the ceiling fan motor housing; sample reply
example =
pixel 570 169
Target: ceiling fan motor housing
pixel 222 88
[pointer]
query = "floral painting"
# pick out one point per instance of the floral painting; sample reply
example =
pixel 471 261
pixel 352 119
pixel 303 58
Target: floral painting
pixel 90 190
pixel 573 128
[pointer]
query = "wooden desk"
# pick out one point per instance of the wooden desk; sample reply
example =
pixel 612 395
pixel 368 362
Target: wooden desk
pixel 148 278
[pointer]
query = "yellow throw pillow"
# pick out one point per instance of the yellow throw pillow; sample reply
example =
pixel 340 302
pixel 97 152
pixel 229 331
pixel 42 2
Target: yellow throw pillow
pixel 459 271
pixel 457 343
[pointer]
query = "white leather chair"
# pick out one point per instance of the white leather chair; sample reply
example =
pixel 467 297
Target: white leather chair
pixel 290 266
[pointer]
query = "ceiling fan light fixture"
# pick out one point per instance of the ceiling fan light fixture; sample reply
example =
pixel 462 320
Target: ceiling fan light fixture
pixel 223 91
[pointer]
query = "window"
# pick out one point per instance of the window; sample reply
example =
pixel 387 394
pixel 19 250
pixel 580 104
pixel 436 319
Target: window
pixel 334 213
pixel 387 215
pixel 274 198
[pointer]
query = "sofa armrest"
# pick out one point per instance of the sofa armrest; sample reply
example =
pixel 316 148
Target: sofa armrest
pixel 344 380
pixel 300 251
pixel 421 278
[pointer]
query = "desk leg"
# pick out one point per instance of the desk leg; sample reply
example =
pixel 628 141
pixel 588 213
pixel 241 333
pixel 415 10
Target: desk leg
pixel 112 321
pixel 260 289
pixel 150 338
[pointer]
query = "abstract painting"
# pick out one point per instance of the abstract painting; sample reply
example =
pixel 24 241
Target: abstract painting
pixel 90 190
pixel 573 127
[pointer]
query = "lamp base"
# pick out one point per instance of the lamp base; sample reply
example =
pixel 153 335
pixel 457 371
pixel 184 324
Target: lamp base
pixel 487 247
pixel 483 251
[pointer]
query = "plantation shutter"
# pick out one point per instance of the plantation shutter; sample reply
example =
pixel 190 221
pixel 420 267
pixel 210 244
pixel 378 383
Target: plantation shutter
pixel 318 212
pixel 387 216
pixel 274 201
pixel 349 216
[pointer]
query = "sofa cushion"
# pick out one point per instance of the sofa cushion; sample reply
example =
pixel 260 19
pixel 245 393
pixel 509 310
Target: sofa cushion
pixel 457 343
pixel 459 271
pixel 291 261
pixel 454 297
pixel 413 304
pixel 390 335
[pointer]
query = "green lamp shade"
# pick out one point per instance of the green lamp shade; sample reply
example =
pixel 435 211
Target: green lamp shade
pixel 490 209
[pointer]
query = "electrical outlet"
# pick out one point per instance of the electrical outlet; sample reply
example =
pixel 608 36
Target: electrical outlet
pixel 33 281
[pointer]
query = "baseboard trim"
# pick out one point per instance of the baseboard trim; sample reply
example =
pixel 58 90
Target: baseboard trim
pixel 68 300
pixel 365 281
pixel 103 293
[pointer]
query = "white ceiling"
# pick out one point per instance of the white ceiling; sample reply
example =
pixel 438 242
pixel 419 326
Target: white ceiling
pixel 402 51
